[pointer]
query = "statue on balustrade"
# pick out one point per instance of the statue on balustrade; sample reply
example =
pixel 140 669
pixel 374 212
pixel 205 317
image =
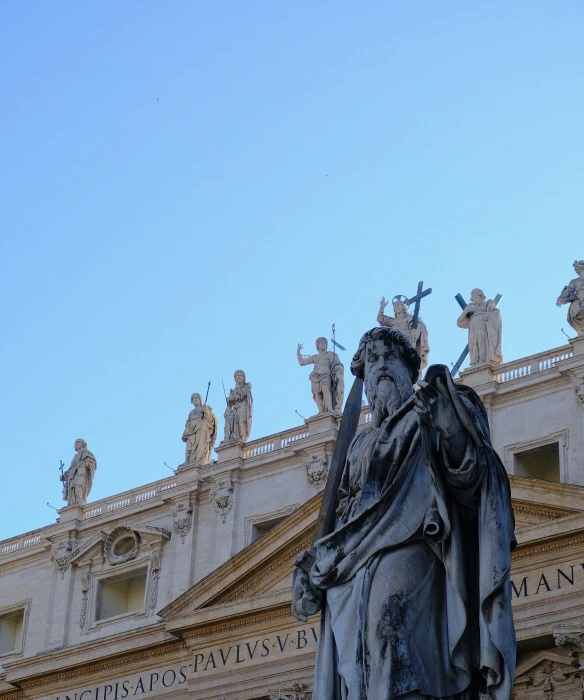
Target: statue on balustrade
pixel 327 378
pixel 200 432
pixel 239 411
pixel 573 294
pixel 413 578
pixel 483 319
pixel 403 321
pixel 78 479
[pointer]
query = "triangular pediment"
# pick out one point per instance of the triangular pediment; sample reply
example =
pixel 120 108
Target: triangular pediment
pixel 265 566
pixel 536 501
pixel 527 669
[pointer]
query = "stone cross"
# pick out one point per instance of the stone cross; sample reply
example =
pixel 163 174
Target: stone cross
pixel 462 303
pixel 418 299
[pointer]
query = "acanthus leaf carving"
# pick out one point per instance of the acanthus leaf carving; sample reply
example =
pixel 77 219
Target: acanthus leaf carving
pixel 316 470
pixel 155 567
pixel 85 586
pixel 62 553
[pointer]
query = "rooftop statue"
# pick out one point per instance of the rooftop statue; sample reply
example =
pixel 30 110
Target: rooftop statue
pixel 573 294
pixel 413 576
pixel 239 411
pixel 483 319
pixel 200 432
pixel 78 479
pixel 403 321
pixel 327 378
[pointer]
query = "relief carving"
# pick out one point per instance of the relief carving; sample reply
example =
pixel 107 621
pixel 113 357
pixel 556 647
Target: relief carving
pixel 61 555
pixel 316 470
pixel 85 586
pixel 578 385
pixel 122 544
pixel 154 576
pixel 182 518
pixel 291 691
pixel 222 495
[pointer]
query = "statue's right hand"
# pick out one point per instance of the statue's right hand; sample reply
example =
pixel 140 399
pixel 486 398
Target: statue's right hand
pixel 383 303
pixel 306 598
pixel 300 346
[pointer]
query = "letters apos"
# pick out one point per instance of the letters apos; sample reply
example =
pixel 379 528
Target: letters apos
pixel 171 677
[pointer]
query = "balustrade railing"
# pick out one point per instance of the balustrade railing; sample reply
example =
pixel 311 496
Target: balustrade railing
pixel 256 448
pixel 531 365
pixel 16 544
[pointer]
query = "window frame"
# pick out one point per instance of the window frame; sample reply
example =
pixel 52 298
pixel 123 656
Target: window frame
pixel 23 605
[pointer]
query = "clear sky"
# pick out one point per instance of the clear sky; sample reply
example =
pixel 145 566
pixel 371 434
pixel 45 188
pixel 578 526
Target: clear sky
pixel 189 188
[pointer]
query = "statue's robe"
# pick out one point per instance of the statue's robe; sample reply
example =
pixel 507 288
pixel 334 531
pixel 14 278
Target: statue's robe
pixel 416 574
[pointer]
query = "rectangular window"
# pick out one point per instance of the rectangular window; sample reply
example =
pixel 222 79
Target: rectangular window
pixel 259 529
pixel 11 626
pixel 541 462
pixel 121 595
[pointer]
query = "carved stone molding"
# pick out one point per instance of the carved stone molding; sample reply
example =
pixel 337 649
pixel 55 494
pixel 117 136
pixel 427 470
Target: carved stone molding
pixel 222 495
pixel 291 691
pixel 85 586
pixel 121 545
pixel 155 567
pixel 316 466
pixel 577 382
pixel 62 553
pixel 182 518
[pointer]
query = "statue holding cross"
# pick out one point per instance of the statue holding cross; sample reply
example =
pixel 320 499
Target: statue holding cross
pixel 410 325
pixel 483 320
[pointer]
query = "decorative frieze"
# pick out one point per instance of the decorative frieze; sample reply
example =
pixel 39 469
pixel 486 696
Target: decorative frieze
pixel 222 495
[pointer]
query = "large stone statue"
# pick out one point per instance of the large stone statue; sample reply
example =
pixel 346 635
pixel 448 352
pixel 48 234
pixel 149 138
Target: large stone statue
pixel 402 321
pixel 78 479
pixel 239 411
pixel 414 579
pixel 327 378
pixel 200 432
pixel 483 319
pixel 573 294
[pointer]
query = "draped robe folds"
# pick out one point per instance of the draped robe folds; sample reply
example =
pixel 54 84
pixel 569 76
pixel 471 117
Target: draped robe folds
pixel 416 574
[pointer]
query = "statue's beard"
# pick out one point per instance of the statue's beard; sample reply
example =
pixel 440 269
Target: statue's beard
pixel 386 394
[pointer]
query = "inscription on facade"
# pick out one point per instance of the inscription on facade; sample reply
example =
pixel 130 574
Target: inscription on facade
pixel 172 677
pixel 547 580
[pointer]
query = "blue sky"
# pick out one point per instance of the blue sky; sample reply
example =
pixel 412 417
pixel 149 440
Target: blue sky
pixel 189 188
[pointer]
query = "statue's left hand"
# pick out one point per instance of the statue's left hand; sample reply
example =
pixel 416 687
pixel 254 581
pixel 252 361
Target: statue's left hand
pixel 433 405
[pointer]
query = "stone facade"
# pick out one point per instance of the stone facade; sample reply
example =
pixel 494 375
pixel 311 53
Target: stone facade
pixel 181 588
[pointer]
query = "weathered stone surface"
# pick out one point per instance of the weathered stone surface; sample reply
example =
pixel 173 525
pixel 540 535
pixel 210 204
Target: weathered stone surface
pixel 483 319
pixel 78 479
pixel 402 321
pixel 573 294
pixel 327 379
pixel 200 432
pixel 239 411
pixel 424 518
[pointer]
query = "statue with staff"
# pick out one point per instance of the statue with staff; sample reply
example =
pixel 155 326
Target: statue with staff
pixel 78 479
pixel 410 565
pixel 200 431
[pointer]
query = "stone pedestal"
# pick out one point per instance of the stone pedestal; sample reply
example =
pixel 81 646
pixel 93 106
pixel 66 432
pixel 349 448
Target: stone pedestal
pixel 228 451
pixel 323 423
pixel 72 515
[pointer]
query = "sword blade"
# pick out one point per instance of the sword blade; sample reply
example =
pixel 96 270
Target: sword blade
pixel 347 430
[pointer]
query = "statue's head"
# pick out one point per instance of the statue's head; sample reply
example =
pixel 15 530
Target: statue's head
pixel 196 399
pixel 579 267
pixel 389 367
pixel 400 308
pixel 321 344
pixel 79 445
pixel 239 377
pixel 477 296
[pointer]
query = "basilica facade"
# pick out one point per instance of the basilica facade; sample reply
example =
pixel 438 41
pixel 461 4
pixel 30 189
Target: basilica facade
pixel 182 588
